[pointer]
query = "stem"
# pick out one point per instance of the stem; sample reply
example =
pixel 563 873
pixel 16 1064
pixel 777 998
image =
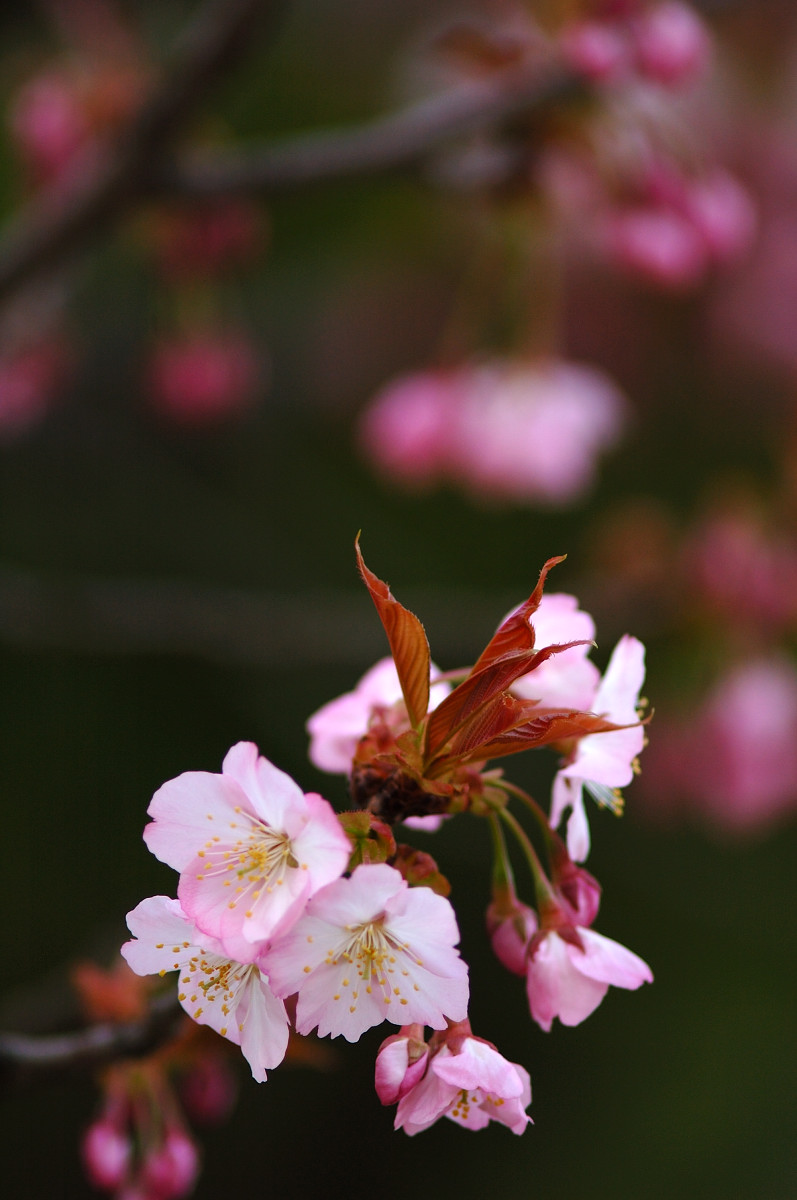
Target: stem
pixel 546 900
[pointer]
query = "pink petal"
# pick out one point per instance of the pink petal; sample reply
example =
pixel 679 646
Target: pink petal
pixel 556 989
pixel 608 962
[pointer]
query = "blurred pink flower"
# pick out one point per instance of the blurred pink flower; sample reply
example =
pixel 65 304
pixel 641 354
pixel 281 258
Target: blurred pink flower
pixel 30 378
pixel 672 43
pixel 658 244
pixel 741 570
pixel 738 758
pixel 107 1150
pixel 533 434
pixel 598 50
pixel 204 379
pixel 49 124
pixel 406 428
pixel 171 1170
pixel 504 430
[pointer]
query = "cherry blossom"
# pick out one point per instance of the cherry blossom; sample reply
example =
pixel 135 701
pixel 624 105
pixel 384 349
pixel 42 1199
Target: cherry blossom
pixel 466 1080
pixel 251 848
pixel 233 998
pixel 603 762
pixel 336 728
pixel 368 949
pixel 569 973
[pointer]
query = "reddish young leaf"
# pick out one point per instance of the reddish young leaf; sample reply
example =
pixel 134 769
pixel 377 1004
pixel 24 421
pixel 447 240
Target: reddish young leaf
pixel 407 639
pixel 481 687
pixel 516 633
pixel 548 725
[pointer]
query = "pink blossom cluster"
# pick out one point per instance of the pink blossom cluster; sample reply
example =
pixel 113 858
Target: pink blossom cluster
pixel 288 914
pixel 505 431
pixel 666 43
pixel 264 912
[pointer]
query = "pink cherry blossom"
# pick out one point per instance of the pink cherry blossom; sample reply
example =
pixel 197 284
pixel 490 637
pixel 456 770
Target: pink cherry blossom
pixel 233 998
pixel 250 846
pixel 468 1081
pixel 568 978
pixel 336 727
pixel 532 434
pixel 568 679
pixel 368 949
pixel 603 762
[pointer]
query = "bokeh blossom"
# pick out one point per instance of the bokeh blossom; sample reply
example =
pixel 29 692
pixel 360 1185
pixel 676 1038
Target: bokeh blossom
pixel 503 430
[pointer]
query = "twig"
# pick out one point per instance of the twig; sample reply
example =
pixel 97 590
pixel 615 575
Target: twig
pixel 23 1054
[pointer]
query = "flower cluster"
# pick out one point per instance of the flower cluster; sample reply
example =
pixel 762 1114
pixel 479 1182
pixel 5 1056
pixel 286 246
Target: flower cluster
pixel 502 430
pixel 285 907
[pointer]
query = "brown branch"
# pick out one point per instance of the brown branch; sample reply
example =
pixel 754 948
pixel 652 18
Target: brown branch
pixel 64 219
pixel 100 189
pixel 396 141
pixel 25 1055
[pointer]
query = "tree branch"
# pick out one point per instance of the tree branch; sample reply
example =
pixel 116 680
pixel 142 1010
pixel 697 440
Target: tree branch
pixel 101 188
pixel 398 140
pixel 23 1054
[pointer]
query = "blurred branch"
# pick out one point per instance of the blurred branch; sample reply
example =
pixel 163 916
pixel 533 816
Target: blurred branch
pixel 24 1054
pixel 99 190
pixel 225 625
pixel 403 139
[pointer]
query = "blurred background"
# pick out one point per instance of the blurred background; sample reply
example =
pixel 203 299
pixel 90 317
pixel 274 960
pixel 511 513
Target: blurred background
pixel 566 326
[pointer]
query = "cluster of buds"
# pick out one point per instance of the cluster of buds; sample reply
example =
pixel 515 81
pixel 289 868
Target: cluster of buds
pixel 139 1146
pixel 290 914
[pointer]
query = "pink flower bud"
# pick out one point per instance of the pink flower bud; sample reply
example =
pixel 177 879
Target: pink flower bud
pixel 672 43
pixel 724 214
pixel 29 379
pixel 106 1154
pixel 48 124
pixel 171 1170
pixel 209 1089
pixel 204 380
pixel 400 1064
pixel 659 245
pixel 510 933
pixel 597 50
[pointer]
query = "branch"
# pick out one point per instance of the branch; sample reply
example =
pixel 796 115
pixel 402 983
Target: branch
pixel 100 189
pixel 23 1054
pixel 398 140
